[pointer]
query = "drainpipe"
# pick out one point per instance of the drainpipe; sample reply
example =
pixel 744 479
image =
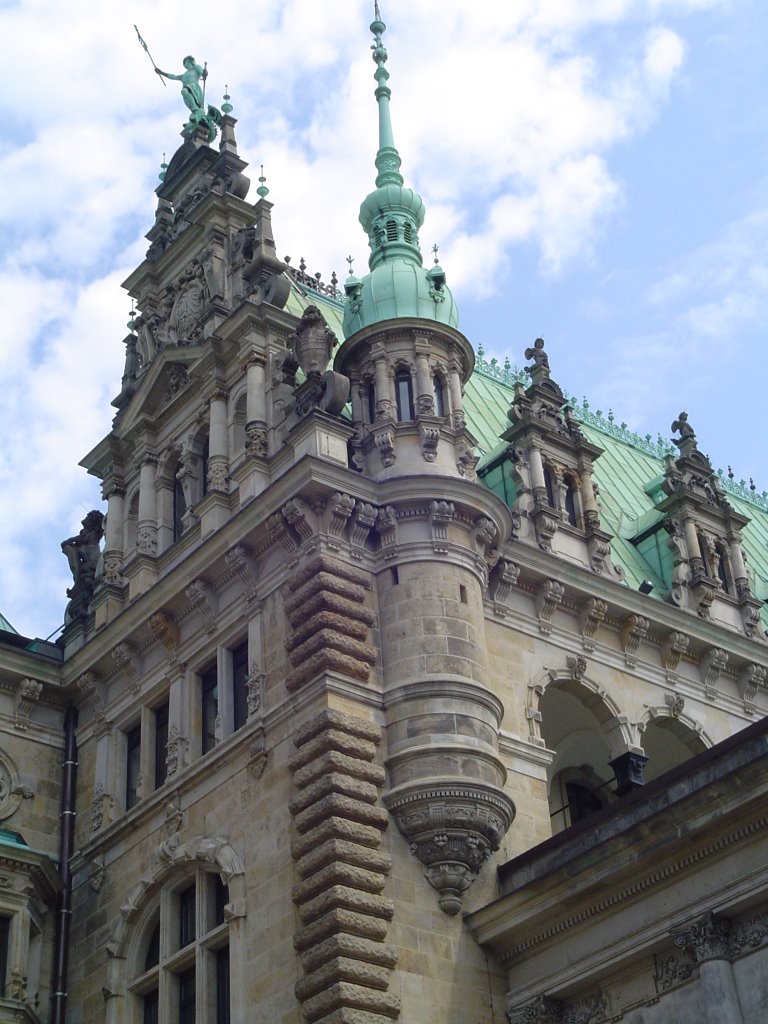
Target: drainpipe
pixel 66 842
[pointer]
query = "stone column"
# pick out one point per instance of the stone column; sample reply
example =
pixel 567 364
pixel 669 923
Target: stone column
pixel 256 407
pixel 457 403
pixel 425 401
pixel 146 534
pixel 218 477
pixel 537 472
pixel 738 568
pixel 356 399
pixel 384 402
pixel 113 541
pixel 692 542
pixel 591 513
pixel 709 939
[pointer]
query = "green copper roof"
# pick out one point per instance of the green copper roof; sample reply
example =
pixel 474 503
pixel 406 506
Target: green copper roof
pixel 5 625
pixel 397 285
pixel 624 473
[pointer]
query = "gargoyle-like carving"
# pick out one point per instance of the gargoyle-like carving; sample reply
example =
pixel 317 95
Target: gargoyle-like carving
pixel 675 702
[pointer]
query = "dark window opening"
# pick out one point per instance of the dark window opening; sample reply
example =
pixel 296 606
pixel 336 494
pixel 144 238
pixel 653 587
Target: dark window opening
pixel 722 572
pixel 179 508
pixel 395 576
pixel 549 483
pixel 132 765
pixel 161 745
pixel 219 897
pixel 462 593
pixel 570 504
pixel 407 232
pixel 209 689
pixel 152 958
pixel 187 929
pixel 239 685
pixel 439 396
pixel 222 985
pixel 370 392
pixel 187 997
pixel 404 395
pixel 581 801
pixel 391 231
pixel 152 1007
pixel 204 456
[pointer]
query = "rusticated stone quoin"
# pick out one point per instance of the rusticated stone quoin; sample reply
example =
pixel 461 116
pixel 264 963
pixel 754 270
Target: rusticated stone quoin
pixel 329 620
pixel 342 873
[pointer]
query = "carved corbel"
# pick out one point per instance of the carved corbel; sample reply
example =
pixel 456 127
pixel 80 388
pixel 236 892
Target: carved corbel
pixel 591 614
pixel 102 808
pixel 124 657
pixel 549 594
pixel 441 513
pixel 633 629
pixel 546 521
pixel 430 438
pixel 385 442
pixel 239 563
pixel 164 628
pixel 362 521
pixel 257 754
pixel 711 666
pixel 200 595
pixel 27 695
pixel 298 515
pixel 338 513
pixel 503 577
pixel 90 686
pixel 280 534
pixel 750 616
pixel 672 650
pixel 751 678
pixel 542 1010
pixel 386 527
pixel 466 460
pixel 486 535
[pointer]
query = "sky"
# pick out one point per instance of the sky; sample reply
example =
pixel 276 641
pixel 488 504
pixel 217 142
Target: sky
pixel 594 172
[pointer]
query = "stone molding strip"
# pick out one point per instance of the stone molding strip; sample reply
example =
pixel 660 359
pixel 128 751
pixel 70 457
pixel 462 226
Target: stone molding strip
pixel 342 870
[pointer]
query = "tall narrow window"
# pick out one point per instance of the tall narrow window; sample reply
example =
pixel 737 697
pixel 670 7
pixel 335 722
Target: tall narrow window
pixel 370 393
pixel 549 483
pixel 152 959
pixel 209 693
pixel 179 508
pixel 722 570
pixel 161 745
pixel 391 231
pixel 204 456
pixel 439 396
pixel 240 685
pixel 404 395
pixel 132 765
pixel 570 503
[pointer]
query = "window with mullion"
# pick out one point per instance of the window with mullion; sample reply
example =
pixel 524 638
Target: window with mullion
pixel 187 996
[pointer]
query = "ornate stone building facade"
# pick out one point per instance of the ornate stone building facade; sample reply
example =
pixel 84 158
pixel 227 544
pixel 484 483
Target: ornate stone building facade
pixel 380 645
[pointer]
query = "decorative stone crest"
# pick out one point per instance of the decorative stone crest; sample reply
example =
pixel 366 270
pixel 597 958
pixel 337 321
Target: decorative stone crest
pixel 633 629
pixel 711 666
pixel 549 594
pixel 591 614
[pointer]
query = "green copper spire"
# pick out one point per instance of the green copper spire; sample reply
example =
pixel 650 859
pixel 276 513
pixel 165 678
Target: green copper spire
pixel 387 158
pixel 398 285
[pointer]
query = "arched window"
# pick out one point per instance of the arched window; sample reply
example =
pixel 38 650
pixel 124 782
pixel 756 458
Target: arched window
pixel 407 232
pixel 391 231
pixel 184 955
pixel 582 801
pixel 404 394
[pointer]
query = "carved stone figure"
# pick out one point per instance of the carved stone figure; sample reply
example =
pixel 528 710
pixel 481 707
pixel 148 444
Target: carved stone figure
pixel 82 554
pixel 194 97
pixel 539 357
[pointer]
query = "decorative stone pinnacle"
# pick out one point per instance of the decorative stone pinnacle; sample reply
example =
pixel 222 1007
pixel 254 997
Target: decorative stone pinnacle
pixel 350 261
pixel 435 250
pixel 262 190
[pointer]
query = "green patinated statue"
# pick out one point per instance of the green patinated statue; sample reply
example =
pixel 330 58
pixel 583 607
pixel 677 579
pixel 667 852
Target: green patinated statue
pixel 193 94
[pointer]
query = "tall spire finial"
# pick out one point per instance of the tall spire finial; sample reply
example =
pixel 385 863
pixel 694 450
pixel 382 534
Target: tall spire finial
pixel 387 157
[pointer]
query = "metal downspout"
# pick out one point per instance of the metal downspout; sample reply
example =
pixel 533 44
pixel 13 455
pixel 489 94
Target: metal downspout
pixel 66 842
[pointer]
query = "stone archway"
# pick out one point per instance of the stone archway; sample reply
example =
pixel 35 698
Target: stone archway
pixel 669 737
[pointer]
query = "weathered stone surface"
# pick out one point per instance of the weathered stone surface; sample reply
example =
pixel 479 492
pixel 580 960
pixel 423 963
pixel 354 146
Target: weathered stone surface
pixel 352 946
pixel 343 969
pixel 337 874
pixel 335 761
pixel 335 827
pixel 344 994
pixel 341 851
pixel 343 806
pixel 342 922
pixel 335 782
